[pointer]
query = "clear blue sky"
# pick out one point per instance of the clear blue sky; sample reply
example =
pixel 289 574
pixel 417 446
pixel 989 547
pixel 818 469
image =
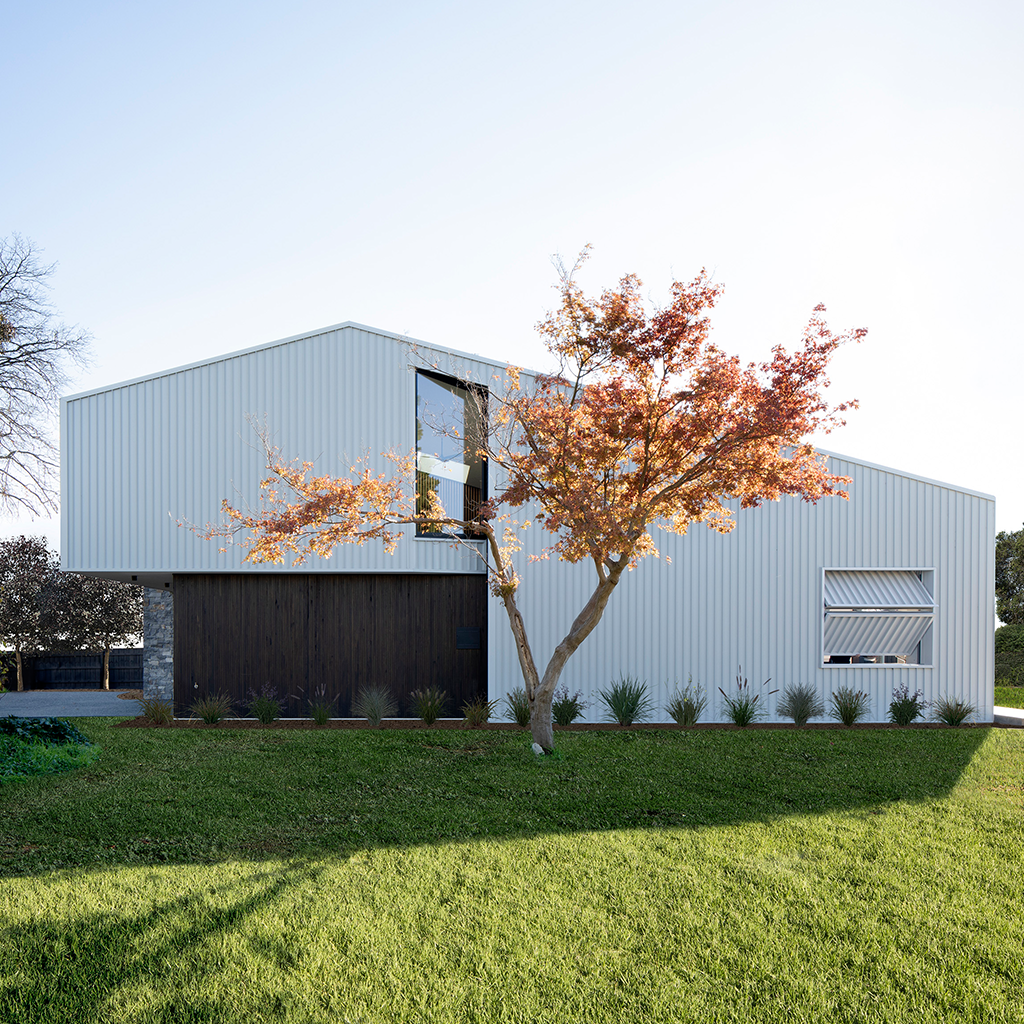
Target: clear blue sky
pixel 211 176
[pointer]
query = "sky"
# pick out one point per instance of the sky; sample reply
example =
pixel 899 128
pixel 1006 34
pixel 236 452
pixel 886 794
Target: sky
pixel 210 176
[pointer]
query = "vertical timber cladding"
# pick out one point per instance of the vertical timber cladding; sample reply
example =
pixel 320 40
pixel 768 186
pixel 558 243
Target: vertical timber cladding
pixel 234 633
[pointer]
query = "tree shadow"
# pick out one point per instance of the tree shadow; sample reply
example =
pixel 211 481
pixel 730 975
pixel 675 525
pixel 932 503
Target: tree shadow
pixel 68 970
pixel 197 796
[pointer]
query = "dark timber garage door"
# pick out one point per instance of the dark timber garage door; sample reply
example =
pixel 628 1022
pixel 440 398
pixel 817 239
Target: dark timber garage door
pixel 234 633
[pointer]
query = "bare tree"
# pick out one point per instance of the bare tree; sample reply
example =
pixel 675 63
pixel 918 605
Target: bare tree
pixel 35 352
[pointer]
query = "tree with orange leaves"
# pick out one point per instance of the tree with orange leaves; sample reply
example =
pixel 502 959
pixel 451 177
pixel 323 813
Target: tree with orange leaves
pixel 644 422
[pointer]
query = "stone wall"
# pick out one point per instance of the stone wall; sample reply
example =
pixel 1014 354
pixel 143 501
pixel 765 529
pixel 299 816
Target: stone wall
pixel 158 644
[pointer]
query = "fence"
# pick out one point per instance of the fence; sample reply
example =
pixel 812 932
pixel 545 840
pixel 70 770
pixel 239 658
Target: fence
pixel 76 671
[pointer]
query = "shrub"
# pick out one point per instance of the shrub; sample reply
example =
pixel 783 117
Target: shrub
pixel 849 706
pixel 686 706
pixel 567 707
pixel 744 707
pixel 517 707
pixel 429 704
pixel 801 703
pixel 20 758
pixel 1009 668
pixel 627 701
pixel 321 709
pixel 54 732
pixel 952 711
pixel 157 709
pixel 374 703
pixel 478 712
pixel 905 706
pixel 264 704
pixel 1010 640
pixel 212 709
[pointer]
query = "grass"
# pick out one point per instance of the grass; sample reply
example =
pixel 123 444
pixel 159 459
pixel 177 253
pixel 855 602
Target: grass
pixel 208 875
pixel 1009 697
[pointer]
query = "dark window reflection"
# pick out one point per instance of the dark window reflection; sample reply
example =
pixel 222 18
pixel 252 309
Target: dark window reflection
pixel 449 433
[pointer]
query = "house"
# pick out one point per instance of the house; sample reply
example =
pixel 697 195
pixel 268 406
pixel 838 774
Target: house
pixel 893 587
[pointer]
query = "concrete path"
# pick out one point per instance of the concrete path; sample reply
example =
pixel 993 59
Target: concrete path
pixel 1002 716
pixel 66 704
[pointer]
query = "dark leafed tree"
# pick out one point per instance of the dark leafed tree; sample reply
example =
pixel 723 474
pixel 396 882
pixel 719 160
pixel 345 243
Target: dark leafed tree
pixel 36 352
pixel 96 615
pixel 1010 577
pixel 29 583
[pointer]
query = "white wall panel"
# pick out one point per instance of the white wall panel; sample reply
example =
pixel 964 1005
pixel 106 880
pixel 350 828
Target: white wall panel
pixel 141 455
pixel 753 598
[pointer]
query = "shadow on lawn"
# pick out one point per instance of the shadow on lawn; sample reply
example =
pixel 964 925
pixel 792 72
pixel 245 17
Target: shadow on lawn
pixel 192 796
pixel 70 969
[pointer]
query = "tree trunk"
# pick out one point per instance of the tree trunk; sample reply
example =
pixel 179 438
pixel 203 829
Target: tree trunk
pixel 582 627
pixel 106 668
pixel 17 662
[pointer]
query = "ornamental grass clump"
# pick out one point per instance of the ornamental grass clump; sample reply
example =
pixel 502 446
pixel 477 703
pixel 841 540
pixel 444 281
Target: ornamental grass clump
pixel 566 707
pixel 159 710
pixel 849 706
pixel 952 711
pixel 688 704
pixel 212 709
pixel 626 701
pixel 905 706
pixel 321 710
pixel 478 712
pixel 429 703
pixel 375 703
pixel 517 707
pixel 264 704
pixel 801 703
pixel 745 707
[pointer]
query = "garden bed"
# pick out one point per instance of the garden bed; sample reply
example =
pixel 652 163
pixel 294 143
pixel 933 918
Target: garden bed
pixel 141 722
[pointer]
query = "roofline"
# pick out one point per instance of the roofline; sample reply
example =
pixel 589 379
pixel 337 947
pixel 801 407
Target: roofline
pixel 415 342
pixel 904 473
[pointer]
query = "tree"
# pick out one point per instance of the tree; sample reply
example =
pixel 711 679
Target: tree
pixel 29 581
pixel 98 614
pixel 644 422
pixel 35 352
pixel 1010 577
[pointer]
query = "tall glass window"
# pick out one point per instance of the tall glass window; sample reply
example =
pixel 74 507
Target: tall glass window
pixel 449 434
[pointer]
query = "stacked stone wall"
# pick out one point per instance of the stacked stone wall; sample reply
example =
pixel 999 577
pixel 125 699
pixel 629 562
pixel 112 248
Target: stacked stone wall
pixel 158 644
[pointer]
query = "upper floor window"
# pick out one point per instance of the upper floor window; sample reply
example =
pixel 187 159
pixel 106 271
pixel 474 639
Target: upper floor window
pixel 450 424
pixel 878 616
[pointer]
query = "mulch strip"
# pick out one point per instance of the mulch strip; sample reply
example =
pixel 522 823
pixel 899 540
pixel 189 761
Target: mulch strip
pixel 456 723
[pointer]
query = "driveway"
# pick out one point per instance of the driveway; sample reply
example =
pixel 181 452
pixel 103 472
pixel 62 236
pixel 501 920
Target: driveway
pixel 67 704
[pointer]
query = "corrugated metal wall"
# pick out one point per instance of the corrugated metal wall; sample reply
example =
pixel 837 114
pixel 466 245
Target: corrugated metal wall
pixel 753 598
pixel 139 456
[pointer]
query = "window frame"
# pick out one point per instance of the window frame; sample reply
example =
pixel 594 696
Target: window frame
pixel 926 646
pixel 484 395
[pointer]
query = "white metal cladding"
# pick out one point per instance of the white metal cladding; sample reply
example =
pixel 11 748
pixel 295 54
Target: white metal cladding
pixel 754 598
pixel 849 633
pixel 141 455
pixel 892 588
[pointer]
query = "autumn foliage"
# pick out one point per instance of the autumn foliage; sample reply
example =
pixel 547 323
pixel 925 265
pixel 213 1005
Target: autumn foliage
pixel 643 423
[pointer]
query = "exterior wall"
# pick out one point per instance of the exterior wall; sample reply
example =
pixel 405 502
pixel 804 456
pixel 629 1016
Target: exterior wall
pixel 158 644
pixel 235 633
pixel 139 456
pixel 753 598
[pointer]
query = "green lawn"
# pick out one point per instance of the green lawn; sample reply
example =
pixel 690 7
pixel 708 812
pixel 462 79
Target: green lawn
pixel 250 876
pixel 1009 697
